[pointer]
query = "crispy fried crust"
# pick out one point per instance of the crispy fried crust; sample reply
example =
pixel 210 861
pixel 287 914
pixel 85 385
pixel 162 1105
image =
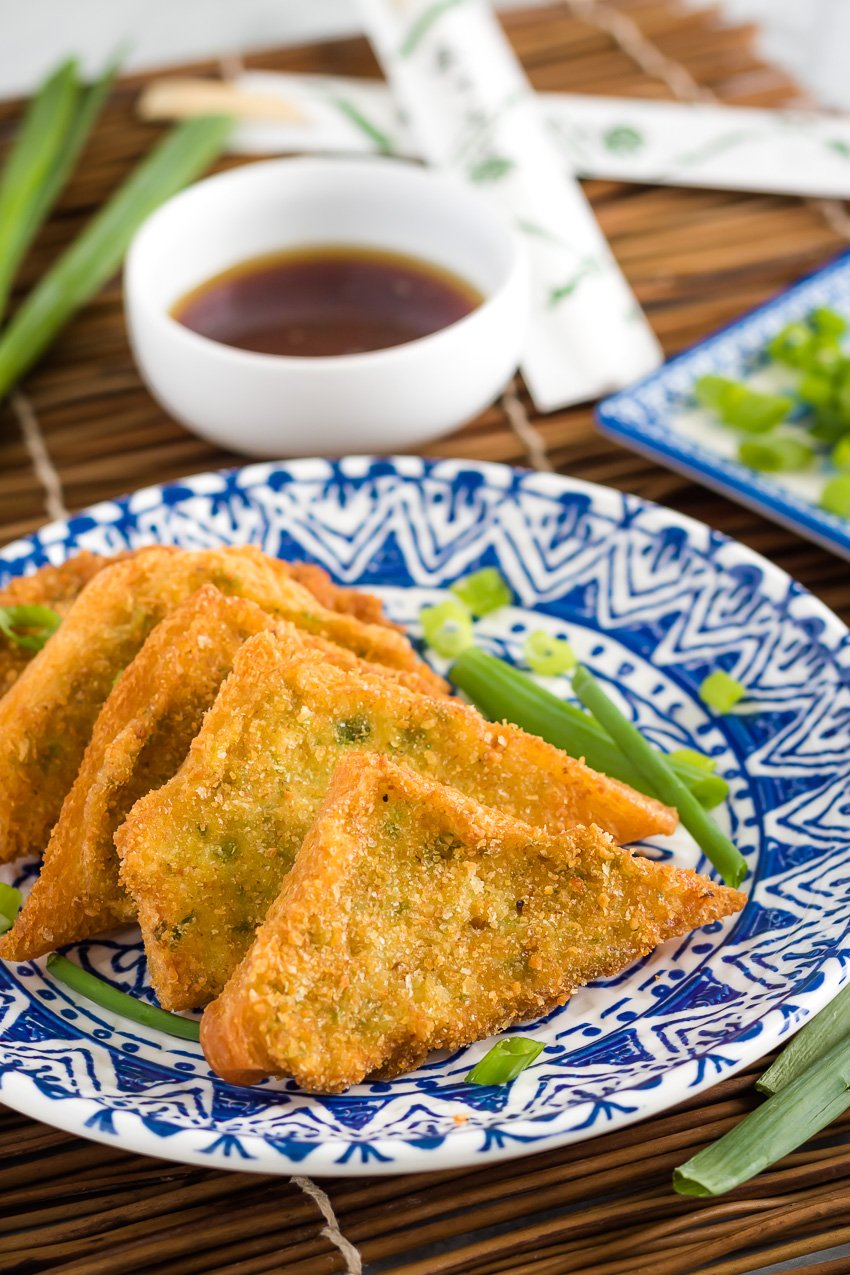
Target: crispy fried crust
pixel 205 855
pixel 415 919
pixel 141 736
pixel 55 587
pixel 363 606
pixel 47 717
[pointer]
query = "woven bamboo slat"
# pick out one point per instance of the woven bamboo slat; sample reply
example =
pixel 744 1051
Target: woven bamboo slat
pixel 695 259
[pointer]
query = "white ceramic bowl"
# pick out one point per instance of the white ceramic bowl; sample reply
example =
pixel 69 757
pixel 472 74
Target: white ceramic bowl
pixel 273 405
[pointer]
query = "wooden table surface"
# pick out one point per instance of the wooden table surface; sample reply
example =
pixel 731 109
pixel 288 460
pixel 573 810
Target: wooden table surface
pixel 82 429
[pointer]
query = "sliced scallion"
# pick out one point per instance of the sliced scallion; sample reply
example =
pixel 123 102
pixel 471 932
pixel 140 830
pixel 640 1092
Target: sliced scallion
pixel 505 1061
pixel 721 692
pixel 668 787
pixel 483 591
pixel 28 626
pixel 447 627
pixel 10 905
pixel 835 497
pixel 548 656
pixel 110 998
pixel 97 252
pixel 776 455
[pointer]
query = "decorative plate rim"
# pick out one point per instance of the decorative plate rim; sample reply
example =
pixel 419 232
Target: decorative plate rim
pixel 460 1147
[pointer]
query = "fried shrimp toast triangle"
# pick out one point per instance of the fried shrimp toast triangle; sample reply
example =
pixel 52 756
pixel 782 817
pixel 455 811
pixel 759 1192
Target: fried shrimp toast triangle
pixel 415 919
pixel 141 736
pixel 204 856
pixel 47 717
pixel 54 587
pixel 363 606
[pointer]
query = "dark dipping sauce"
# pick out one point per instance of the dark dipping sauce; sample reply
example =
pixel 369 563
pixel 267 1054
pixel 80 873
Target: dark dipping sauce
pixel 319 301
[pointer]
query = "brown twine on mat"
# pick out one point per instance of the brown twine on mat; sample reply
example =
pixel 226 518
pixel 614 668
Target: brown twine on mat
pixel 531 438
pixel 632 41
pixel 331 1232
pixel 46 472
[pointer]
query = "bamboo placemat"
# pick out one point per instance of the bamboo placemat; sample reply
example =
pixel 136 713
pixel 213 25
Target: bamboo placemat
pixel 83 429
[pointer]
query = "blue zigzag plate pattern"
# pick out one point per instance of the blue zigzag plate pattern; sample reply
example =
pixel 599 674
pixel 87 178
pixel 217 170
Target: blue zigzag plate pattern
pixel 652 601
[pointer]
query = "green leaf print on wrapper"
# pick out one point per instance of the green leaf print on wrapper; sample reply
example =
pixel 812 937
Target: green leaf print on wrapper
pixel 356 116
pixel 560 293
pixel 423 25
pixel 623 140
pixel 491 170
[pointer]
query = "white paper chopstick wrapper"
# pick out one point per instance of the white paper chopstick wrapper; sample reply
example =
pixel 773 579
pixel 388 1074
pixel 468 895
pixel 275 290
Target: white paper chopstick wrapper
pixel 620 139
pixel 472 112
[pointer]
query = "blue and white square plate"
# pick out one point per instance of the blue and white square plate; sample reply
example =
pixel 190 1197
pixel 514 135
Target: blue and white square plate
pixel 651 601
pixel 659 417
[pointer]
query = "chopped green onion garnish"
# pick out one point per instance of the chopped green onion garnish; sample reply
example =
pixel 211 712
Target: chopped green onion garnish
pixel 97 252
pixel 28 626
pixel 793 345
pixel 775 455
pixel 817 389
pixel 548 656
pixel 829 425
pixel 505 1061
pixel 711 391
pixel 828 322
pixel 504 693
pixel 447 627
pixel 10 905
pixel 739 406
pixel 721 692
pixel 720 851
pixel 691 757
pixel 108 997
pixel 483 591
pixel 782 1123
pixel 841 453
pixel 835 497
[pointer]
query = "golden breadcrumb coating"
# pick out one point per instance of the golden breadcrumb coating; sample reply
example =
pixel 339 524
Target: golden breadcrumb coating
pixel 141 736
pixel 47 717
pixel 416 919
pixel 205 855
pixel 364 606
pixel 54 587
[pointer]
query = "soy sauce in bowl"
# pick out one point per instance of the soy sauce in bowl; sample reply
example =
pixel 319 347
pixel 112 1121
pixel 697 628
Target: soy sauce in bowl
pixel 326 300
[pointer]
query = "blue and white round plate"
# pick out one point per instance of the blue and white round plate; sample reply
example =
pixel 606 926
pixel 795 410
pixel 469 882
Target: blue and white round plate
pixel 652 602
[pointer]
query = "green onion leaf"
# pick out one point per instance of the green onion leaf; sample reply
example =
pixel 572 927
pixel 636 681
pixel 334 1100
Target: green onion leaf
pixel 505 1061
pixel 28 626
pixel 717 848
pixel 835 497
pixel 97 252
pixel 34 157
pixel 775 455
pixel 483 591
pixel 826 1030
pixel 805 1106
pixel 548 656
pixel 721 692
pixel 504 693
pixel 841 453
pixel 10 905
pixel 447 627
pixel 108 997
